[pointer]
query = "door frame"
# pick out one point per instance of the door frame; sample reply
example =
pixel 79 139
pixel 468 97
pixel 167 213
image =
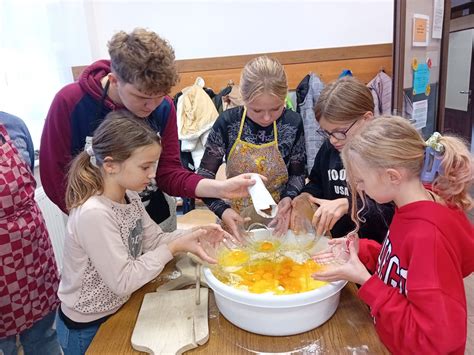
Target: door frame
pixel 398 55
pixel 443 70
pixel 453 14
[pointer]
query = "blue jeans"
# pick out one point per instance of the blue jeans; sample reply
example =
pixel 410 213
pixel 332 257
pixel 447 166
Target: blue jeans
pixel 74 341
pixel 39 339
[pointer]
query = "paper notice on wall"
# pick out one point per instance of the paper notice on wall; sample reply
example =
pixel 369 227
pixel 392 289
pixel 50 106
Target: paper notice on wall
pixel 420 30
pixel 420 114
pixel 421 79
pixel 438 14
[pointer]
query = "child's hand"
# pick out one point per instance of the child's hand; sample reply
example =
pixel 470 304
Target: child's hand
pixel 235 223
pixel 328 255
pixel 197 239
pixel 301 213
pixel 282 220
pixel 351 270
pixel 328 213
pixel 338 250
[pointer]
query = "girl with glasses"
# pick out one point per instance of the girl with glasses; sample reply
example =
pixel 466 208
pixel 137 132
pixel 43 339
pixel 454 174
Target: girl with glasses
pixel 344 107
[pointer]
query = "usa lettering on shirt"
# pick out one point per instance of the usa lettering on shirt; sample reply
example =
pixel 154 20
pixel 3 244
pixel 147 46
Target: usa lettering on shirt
pixel 338 175
pixel 389 269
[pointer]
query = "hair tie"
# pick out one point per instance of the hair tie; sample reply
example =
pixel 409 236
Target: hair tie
pixel 434 142
pixel 90 151
pixel 434 151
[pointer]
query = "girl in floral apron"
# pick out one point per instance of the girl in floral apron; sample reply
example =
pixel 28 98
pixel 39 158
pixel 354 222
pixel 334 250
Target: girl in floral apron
pixel 28 271
pixel 259 137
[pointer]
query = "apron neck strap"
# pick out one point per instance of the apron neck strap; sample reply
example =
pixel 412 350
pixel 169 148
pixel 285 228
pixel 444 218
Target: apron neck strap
pixel 242 120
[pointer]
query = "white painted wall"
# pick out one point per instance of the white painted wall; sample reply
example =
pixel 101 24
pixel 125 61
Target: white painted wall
pixel 42 39
pixel 199 29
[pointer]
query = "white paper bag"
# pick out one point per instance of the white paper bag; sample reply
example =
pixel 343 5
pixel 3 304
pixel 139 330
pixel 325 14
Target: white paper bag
pixel 263 201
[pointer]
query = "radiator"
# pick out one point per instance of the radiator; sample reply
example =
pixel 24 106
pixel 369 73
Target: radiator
pixel 55 223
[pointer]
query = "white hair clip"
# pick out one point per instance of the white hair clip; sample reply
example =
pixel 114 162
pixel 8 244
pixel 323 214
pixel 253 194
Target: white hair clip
pixel 90 151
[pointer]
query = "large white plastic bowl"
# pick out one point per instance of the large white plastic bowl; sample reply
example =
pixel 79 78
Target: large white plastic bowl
pixel 276 315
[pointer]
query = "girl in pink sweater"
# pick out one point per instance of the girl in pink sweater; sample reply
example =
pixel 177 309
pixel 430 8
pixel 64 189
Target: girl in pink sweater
pixel 112 246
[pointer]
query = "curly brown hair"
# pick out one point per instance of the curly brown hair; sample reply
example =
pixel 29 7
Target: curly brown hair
pixel 143 59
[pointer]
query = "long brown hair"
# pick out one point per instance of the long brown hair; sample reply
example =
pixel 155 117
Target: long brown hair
pixel 117 137
pixel 392 142
pixel 344 100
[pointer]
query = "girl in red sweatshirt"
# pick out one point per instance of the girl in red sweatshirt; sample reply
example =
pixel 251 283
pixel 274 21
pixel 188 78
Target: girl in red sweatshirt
pixel 413 282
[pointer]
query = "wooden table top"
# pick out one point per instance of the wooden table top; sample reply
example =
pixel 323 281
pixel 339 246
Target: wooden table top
pixel 351 326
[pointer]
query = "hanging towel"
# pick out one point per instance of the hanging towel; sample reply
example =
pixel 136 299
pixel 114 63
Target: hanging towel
pixel 196 114
pixel 307 94
pixel 381 88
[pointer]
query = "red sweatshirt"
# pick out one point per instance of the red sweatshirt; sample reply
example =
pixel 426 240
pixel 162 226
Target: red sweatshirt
pixel 416 294
pixel 77 111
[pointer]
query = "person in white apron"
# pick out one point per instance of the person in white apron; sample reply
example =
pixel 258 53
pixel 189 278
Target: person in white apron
pixel 260 137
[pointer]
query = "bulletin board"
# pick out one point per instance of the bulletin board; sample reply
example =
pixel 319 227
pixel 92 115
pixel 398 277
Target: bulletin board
pixel 422 61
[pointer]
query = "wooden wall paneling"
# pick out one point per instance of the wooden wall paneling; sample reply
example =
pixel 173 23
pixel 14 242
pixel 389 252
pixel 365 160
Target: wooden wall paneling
pixel 364 62
pixel 290 57
pixel 364 69
pixel 76 71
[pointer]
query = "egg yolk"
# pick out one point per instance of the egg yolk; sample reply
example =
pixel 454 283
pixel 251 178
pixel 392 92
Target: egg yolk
pixel 234 257
pixel 266 246
pixel 281 277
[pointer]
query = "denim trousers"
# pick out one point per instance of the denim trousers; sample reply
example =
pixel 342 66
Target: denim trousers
pixel 40 339
pixel 75 341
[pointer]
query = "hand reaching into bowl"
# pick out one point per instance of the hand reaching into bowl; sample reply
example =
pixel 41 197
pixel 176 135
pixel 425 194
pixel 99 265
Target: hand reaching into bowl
pixel 328 213
pixel 302 212
pixel 281 221
pixel 200 241
pixel 234 223
pixel 343 261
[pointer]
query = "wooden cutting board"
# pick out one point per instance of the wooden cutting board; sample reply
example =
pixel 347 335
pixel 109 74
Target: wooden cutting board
pixel 170 322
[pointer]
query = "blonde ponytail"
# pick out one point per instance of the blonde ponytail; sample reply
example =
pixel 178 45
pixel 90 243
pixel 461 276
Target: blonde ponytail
pixel 84 181
pixel 393 142
pixel 454 181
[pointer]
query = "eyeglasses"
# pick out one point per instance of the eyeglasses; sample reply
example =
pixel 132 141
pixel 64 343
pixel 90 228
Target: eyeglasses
pixel 337 134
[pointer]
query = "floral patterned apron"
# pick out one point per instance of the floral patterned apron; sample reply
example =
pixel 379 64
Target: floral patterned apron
pixel 264 159
pixel 28 272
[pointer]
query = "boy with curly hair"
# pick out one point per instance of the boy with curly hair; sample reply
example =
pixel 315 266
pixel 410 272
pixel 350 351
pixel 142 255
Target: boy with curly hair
pixel 138 77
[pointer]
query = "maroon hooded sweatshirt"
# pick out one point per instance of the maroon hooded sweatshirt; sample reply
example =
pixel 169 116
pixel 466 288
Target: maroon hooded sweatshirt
pixel 77 110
